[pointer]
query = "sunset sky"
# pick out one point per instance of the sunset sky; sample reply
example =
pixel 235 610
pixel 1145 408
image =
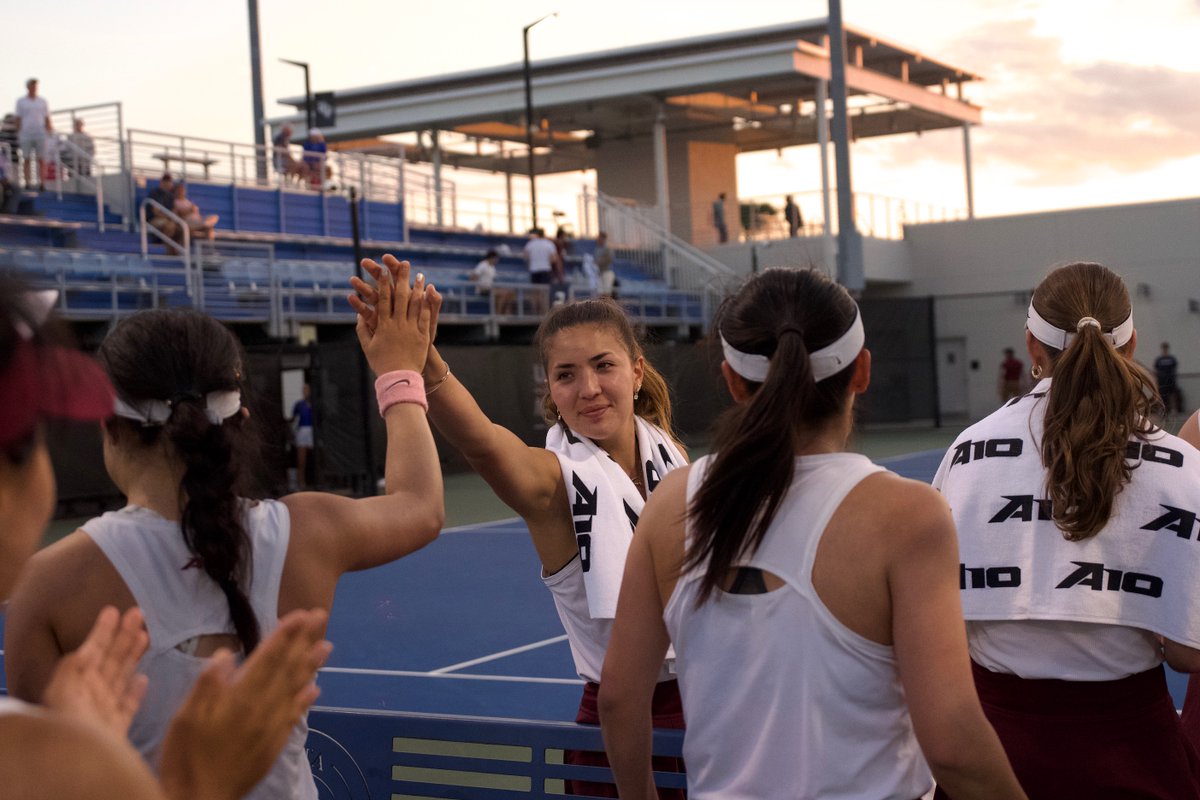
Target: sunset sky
pixel 1084 104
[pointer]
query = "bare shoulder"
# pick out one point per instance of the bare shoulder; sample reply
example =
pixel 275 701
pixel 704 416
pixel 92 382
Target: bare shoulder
pixel 1190 432
pixel 46 756
pixel 909 510
pixel 65 564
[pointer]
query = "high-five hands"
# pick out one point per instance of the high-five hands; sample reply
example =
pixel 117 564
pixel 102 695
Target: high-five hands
pixel 403 313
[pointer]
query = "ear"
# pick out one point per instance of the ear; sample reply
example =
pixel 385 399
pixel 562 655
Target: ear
pixel 1036 350
pixel 639 370
pixel 1130 346
pixel 739 387
pixel 862 372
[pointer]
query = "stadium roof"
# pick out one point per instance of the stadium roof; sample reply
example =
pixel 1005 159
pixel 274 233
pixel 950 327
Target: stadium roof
pixel 759 83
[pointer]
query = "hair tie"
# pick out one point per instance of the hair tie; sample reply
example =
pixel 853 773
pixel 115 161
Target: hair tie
pixel 182 397
pixel 789 329
pixel 1095 323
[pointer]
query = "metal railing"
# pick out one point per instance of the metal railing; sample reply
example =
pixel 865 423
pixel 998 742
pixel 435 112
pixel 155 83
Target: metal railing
pixel 104 122
pixel 878 216
pixel 87 174
pixel 638 236
pixel 182 248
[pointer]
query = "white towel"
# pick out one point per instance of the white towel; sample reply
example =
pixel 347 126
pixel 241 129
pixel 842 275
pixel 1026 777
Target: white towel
pixel 1142 570
pixel 605 505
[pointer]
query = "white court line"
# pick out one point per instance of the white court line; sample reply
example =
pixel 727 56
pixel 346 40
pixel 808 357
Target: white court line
pixel 402 673
pixel 475 526
pixel 502 654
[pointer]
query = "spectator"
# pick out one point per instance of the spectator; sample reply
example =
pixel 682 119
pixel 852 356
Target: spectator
pixel 82 140
pixel 484 278
pixel 1166 368
pixel 286 164
pixel 34 114
pixel 541 255
pixel 1011 369
pixel 795 220
pixel 302 420
pixel 314 157
pixel 604 263
pixel 718 210
pixel 164 195
pixel 201 227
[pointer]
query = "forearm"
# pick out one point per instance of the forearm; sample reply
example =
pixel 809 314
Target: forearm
pixel 411 453
pixel 628 741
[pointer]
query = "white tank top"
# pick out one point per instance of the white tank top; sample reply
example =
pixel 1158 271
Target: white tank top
pixel 179 602
pixel 587 636
pixel 781 699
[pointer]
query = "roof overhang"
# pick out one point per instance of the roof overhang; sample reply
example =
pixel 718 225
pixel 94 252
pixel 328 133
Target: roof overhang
pixel 758 86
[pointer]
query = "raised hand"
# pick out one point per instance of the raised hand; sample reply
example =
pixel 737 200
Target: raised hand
pixel 393 318
pixel 366 300
pixel 235 722
pixel 98 683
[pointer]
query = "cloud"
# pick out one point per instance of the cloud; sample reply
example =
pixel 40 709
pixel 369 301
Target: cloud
pixel 1055 122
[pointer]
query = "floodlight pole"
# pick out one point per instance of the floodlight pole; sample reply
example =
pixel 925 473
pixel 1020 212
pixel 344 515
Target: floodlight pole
pixel 256 87
pixel 529 115
pixel 308 99
pixel 850 255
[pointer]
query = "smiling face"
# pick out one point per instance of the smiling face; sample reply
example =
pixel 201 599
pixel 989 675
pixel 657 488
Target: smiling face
pixel 592 380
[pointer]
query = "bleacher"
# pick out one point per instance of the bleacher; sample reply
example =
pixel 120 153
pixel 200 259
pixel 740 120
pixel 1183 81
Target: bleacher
pixel 282 253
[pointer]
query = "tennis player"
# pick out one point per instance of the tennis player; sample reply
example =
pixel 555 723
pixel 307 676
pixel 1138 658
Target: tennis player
pixel 609 445
pixel 810 595
pixel 1079 571
pixel 209 569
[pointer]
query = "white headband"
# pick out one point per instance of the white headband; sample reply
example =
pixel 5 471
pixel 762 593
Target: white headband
pixel 218 406
pixel 826 362
pixel 1057 338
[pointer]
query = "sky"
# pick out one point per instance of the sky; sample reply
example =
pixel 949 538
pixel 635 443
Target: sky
pixel 1094 108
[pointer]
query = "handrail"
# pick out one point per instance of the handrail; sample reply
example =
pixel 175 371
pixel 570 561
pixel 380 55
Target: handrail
pixel 184 250
pixel 650 232
pixel 94 168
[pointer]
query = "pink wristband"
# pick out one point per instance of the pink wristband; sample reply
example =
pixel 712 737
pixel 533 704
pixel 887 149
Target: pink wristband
pixel 400 386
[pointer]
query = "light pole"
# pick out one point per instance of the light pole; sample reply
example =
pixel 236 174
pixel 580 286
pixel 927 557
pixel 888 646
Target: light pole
pixel 308 106
pixel 529 123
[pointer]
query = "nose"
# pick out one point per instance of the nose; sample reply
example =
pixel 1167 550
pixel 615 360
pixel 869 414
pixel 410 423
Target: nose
pixel 589 384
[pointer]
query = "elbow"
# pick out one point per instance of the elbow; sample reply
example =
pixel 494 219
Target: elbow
pixel 432 522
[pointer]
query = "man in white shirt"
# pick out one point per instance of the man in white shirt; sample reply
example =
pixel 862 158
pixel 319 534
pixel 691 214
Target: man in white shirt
pixel 34 113
pixel 484 278
pixel 540 254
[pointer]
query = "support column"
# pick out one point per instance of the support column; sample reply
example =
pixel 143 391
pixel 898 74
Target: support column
pixel 439 214
pixel 508 203
pixel 662 197
pixel 850 257
pixel 822 115
pixel 969 170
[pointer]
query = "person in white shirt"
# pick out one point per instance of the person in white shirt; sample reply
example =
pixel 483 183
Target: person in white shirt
pixel 484 278
pixel 34 114
pixel 541 255
pixel 810 595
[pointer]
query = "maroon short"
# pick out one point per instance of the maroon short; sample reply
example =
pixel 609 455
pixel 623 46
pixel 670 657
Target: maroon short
pixel 667 712
pixel 1100 740
pixel 1191 712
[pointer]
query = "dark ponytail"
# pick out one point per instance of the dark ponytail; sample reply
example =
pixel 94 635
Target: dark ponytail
pixel 782 314
pixel 179 357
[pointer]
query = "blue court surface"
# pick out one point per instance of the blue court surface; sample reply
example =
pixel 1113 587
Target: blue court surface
pixel 465 627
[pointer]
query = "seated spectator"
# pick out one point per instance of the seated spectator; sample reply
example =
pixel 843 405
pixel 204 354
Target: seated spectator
pixel 164 196
pixel 285 163
pixel 314 157
pixel 201 227
pixel 484 277
pixel 82 140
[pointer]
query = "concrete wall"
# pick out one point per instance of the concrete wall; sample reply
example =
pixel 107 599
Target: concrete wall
pixel 887 262
pixel 982 271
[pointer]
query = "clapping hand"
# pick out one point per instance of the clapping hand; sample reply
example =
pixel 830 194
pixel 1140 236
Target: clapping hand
pixel 98 683
pixel 236 720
